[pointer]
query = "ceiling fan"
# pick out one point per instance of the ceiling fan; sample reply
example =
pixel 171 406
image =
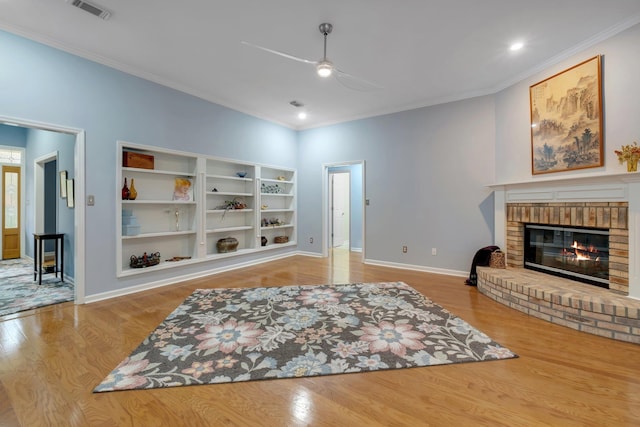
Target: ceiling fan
pixel 324 67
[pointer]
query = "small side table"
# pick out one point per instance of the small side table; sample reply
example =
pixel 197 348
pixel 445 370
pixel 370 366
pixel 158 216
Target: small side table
pixel 38 248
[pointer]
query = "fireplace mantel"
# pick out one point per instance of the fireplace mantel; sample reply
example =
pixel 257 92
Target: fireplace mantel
pixel 588 187
pixel 551 180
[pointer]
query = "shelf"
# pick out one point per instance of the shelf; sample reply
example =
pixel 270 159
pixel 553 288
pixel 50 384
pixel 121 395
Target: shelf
pixel 157 171
pixel 157 202
pixel 218 255
pixel 277 245
pixel 276 194
pixel 159 234
pixel 276 210
pixel 228 193
pixel 275 227
pixel 276 181
pixel 212 211
pixel 231 178
pixel 229 229
pixel 128 271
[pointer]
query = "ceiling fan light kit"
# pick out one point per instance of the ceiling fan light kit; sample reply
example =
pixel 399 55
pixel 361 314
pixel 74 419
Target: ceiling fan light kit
pixel 324 68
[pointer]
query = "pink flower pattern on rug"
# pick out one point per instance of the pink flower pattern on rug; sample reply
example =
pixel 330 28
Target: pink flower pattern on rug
pixel 392 337
pixel 243 334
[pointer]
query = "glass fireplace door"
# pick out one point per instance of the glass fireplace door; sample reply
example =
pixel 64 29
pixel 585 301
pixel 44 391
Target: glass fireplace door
pixel 576 253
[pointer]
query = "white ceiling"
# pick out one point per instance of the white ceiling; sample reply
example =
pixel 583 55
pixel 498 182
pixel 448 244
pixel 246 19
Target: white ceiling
pixel 422 52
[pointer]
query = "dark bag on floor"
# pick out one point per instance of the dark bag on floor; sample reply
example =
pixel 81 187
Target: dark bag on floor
pixel 481 258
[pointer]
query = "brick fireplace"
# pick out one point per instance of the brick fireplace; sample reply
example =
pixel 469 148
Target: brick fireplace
pixel 608 202
pixel 611 216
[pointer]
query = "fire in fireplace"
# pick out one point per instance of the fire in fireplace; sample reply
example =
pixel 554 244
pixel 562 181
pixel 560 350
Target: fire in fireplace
pixel 580 254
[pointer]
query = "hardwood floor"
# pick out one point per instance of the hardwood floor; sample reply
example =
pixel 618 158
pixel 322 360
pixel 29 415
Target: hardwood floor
pixel 52 358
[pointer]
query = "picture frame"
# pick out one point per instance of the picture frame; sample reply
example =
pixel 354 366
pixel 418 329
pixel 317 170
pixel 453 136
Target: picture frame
pixel 566 120
pixel 63 184
pixel 183 189
pixel 70 195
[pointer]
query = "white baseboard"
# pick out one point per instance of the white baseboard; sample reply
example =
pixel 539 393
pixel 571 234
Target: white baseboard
pixel 444 271
pixel 311 254
pixel 161 283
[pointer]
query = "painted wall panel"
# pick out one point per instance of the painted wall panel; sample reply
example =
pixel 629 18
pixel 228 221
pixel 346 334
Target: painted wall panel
pixel 42 84
pixel 425 176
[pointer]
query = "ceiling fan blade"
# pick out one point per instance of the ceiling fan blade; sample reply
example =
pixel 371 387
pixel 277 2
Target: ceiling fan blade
pixel 286 55
pixel 356 83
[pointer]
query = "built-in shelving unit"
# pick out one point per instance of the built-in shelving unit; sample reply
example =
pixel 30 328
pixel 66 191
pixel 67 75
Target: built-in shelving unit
pixel 227 199
pixel 230 204
pixel 277 205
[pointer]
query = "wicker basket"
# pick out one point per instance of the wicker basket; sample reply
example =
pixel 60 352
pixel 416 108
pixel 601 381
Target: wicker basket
pixel 280 239
pixel 497 259
pixel 228 244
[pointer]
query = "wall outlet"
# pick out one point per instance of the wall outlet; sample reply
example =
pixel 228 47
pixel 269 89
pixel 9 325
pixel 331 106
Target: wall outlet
pixel 404 249
pixel 434 251
pixel 310 239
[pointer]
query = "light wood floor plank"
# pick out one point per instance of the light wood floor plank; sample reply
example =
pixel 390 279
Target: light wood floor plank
pixel 52 358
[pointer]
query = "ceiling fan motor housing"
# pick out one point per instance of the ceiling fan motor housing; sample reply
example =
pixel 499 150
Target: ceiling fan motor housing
pixel 325 28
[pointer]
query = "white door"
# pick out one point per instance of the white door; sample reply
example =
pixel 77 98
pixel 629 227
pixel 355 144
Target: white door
pixel 340 198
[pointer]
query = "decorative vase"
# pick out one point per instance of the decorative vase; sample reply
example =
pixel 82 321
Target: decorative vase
pixel 632 164
pixel 125 191
pixel 132 191
pixel 263 241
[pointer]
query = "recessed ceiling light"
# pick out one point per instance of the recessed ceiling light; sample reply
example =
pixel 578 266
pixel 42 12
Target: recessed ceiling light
pixel 302 115
pixel 516 46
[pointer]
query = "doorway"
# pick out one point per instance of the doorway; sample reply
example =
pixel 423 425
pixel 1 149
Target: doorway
pixel 340 217
pixel 75 218
pixel 46 184
pixel 343 207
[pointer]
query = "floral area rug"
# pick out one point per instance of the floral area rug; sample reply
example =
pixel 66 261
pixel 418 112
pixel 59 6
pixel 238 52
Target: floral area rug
pixel 19 292
pixel 232 335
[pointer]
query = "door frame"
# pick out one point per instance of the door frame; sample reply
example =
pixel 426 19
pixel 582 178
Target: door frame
pixel 22 194
pixel 79 190
pixel 326 238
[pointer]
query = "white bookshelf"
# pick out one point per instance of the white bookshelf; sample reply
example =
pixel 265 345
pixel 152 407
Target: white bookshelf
pixel 226 200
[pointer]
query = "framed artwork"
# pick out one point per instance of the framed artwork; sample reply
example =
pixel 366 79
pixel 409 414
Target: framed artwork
pixel 182 190
pixel 70 198
pixel 566 120
pixel 63 184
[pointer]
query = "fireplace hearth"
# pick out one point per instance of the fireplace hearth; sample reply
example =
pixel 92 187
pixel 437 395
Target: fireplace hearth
pixel 580 254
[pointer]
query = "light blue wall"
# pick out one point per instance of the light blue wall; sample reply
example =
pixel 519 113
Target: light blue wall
pixel 13 136
pixel 426 171
pixel 45 85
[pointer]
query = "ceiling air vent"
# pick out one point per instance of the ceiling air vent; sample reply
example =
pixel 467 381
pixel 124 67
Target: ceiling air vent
pixel 91 8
